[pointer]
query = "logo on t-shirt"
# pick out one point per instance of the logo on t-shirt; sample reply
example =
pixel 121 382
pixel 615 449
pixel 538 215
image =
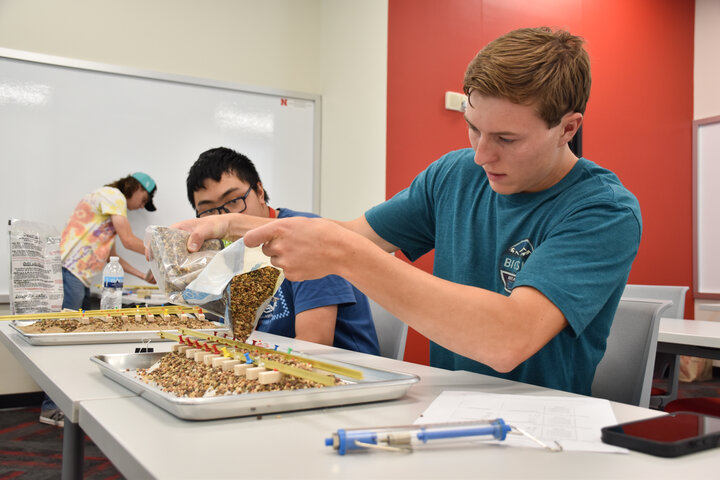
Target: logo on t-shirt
pixel 276 309
pixel 512 261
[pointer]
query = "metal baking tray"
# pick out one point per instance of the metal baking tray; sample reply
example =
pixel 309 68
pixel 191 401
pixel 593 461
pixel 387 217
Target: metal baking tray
pixel 79 338
pixel 376 385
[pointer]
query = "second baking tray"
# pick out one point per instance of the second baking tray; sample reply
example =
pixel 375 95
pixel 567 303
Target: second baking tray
pixel 78 338
pixel 376 385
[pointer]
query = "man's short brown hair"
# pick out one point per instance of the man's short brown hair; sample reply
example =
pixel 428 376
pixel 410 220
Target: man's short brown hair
pixel 534 66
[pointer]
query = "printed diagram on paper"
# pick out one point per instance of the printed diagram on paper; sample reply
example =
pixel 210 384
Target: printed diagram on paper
pixel 574 422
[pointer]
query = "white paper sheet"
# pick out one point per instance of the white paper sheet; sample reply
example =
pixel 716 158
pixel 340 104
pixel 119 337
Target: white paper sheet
pixel 573 422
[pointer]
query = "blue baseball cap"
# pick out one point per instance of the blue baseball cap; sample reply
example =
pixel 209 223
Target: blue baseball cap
pixel 149 185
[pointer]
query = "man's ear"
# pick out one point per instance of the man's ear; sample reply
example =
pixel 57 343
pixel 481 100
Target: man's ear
pixel 260 191
pixel 570 124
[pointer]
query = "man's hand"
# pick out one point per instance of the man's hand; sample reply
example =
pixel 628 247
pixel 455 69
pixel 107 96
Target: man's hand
pixel 230 226
pixel 305 248
pixel 205 228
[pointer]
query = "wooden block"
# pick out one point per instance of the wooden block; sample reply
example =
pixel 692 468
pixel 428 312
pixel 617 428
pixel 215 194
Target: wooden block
pixel 190 352
pixel 200 316
pixel 270 376
pixel 228 365
pixel 241 369
pixel 209 358
pixel 138 318
pixel 124 318
pixel 252 373
pixel 218 361
pixel 200 355
pixel 176 347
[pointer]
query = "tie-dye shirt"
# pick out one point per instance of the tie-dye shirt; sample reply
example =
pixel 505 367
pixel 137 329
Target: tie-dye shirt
pixel 89 235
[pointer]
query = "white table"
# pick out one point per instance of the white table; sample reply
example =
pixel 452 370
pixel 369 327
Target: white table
pixel 144 441
pixel 697 338
pixel 130 297
pixel 66 374
pixel 153 300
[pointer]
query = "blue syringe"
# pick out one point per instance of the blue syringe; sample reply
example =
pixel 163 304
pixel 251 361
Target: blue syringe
pixel 401 438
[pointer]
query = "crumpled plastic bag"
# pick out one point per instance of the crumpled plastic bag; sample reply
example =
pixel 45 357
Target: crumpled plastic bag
pixel 173 267
pixel 235 282
pixel 694 369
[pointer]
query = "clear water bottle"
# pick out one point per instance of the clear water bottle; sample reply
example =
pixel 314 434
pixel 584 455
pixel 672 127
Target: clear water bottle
pixel 113 277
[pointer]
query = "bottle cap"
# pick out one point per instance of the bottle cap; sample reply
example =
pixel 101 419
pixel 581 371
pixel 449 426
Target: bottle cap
pixel 114 259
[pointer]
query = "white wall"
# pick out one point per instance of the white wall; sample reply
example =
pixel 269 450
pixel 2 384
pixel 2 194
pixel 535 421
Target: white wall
pixel 354 90
pixel 335 48
pixel 707 87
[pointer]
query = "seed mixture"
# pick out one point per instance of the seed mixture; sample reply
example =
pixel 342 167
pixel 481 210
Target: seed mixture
pixel 248 292
pixel 116 324
pixel 184 377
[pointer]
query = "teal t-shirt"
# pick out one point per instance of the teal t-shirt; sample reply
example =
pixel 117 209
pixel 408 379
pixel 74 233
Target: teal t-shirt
pixel 574 242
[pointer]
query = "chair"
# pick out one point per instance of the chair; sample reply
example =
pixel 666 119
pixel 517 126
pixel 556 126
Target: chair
pixel 391 332
pixel 625 372
pixel 703 405
pixel 661 292
pixel 666 364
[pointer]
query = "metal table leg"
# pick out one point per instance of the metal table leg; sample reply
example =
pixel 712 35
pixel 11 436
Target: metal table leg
pixel 73 451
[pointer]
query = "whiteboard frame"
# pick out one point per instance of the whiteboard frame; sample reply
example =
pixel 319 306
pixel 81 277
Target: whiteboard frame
pixel 697 291
pixel 78 64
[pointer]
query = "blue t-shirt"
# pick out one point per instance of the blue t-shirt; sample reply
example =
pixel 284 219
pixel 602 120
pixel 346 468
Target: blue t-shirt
pixel 354 327
pixel 574 242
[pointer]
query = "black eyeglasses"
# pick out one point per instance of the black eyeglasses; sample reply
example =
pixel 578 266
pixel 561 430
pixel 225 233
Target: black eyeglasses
pixel 236 205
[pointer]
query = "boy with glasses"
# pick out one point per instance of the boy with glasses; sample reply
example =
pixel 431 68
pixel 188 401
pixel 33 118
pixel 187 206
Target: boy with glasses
pixel 328 310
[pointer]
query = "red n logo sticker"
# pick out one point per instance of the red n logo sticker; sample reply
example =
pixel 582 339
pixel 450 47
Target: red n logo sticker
pixel 283 102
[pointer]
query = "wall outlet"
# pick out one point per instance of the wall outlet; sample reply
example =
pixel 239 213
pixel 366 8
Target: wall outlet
pixel 455 101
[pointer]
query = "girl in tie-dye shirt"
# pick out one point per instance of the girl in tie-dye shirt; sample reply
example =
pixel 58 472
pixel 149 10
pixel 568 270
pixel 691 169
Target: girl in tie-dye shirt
pixel 89 236
pixel 89 239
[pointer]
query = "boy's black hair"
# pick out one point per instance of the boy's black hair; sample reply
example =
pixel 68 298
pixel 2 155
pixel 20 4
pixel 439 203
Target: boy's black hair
pixel 212 163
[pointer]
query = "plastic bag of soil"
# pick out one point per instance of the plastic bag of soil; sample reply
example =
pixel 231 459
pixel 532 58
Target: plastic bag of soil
pixel 242 280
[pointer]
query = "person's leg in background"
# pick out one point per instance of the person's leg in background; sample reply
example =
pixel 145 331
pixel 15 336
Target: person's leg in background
pixel 75 294
pixel 74 291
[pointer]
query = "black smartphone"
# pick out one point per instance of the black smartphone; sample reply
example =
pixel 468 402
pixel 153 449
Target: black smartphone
pixel 670 435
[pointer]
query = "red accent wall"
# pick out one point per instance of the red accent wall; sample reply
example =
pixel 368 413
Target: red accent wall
pixel 638 122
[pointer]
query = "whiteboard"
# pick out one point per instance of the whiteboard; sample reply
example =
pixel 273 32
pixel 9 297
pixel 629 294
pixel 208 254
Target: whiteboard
pixel 68 127
pixel 706 180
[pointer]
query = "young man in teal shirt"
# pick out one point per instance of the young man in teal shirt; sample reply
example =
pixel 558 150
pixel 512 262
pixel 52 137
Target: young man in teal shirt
pixel 533 246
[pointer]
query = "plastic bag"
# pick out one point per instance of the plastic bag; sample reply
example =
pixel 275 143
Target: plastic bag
pixel 173 267
pixel 694 369
pixel 35 268
pixel 243 280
